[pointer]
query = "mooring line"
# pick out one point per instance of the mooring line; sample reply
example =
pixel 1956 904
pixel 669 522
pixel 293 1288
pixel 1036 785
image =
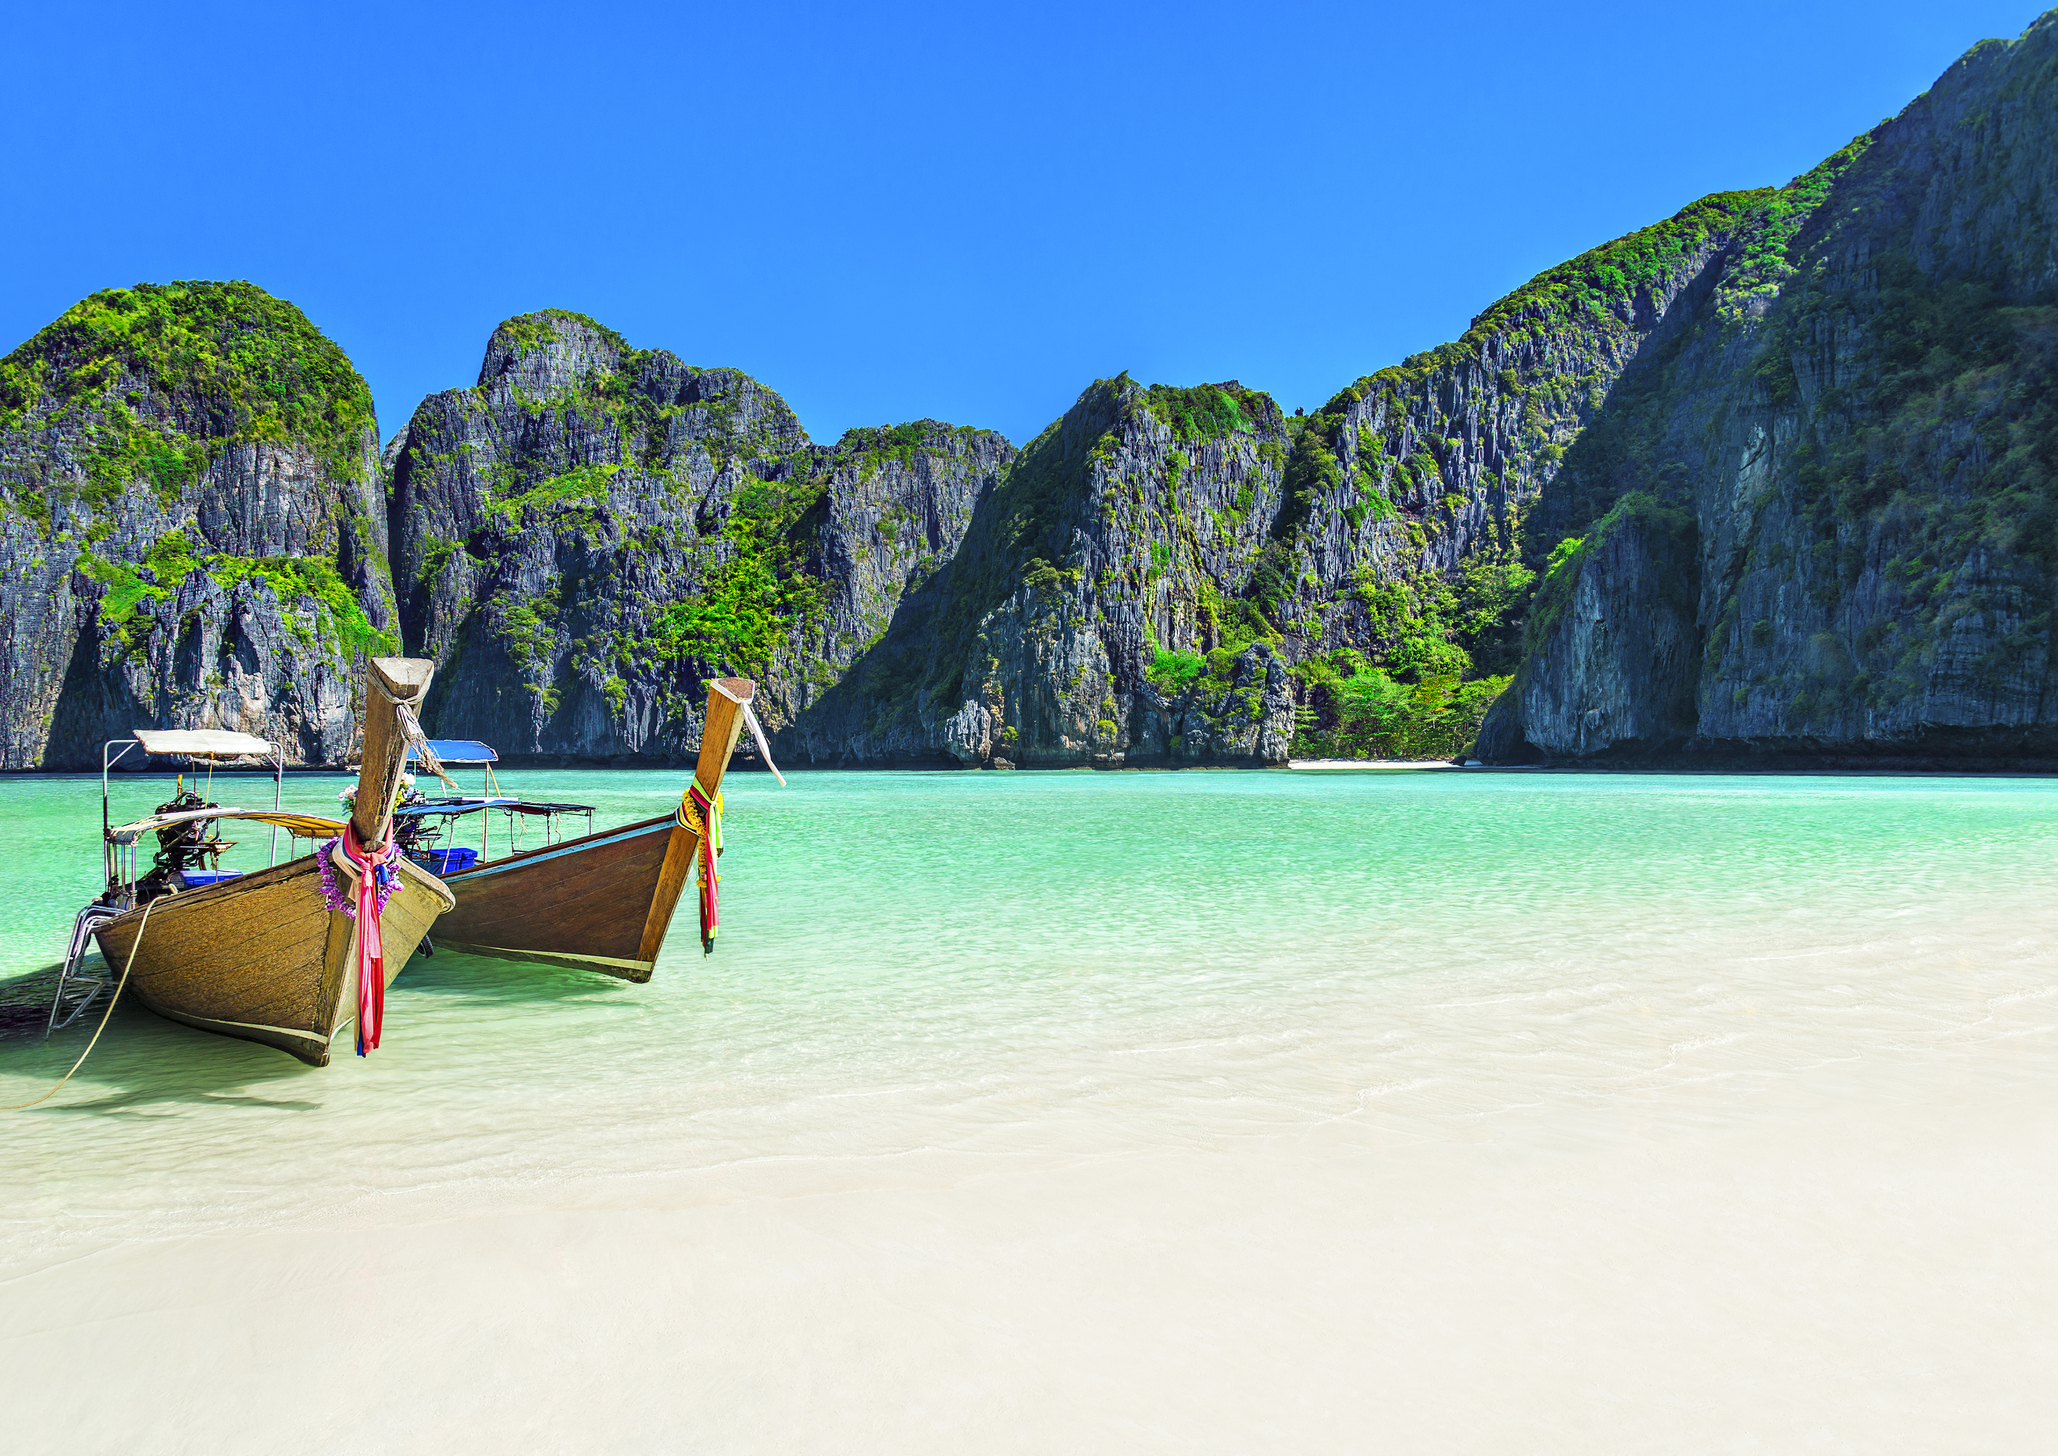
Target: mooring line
pixel 134 946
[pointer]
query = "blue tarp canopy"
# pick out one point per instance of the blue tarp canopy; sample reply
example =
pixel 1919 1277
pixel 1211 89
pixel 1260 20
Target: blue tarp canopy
pixel 459 750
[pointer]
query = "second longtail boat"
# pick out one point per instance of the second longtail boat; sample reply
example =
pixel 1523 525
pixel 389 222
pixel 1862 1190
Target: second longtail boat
pixel 601 902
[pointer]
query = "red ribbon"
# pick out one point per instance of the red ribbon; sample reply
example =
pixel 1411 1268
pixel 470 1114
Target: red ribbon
pixel 371 950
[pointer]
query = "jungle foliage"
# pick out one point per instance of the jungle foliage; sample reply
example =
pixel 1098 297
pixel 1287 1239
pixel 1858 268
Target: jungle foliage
pixel 160 377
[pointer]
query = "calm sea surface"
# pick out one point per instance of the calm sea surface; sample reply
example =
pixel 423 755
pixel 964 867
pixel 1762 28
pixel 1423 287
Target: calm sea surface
pixel 1028 965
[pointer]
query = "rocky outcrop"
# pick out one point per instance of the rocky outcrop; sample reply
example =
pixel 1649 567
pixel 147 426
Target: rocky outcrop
pixel 192 534
pixel 1859 428
pixel 591 530
pixel 1614 646
pixel 1125 534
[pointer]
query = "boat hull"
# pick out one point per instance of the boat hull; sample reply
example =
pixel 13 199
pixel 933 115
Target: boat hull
pixel 602 902
pixel 262 957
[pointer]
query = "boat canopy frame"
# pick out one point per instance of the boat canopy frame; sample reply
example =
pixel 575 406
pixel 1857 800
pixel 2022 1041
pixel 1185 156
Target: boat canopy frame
pixel 118 843
pixel 469 753
pixel 209 744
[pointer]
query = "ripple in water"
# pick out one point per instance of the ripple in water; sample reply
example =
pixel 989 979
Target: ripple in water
pixel 1059 966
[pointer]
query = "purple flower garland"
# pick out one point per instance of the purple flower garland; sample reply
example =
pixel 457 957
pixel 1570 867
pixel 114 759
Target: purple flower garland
pixel 385 876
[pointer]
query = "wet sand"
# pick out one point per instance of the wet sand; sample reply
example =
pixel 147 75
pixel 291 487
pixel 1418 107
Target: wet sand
pixel 1862 1261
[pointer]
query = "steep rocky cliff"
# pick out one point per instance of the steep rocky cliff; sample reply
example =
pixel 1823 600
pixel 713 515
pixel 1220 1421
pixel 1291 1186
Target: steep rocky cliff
pixel 1418 496
pixel 1856 443
pixel 1770 477
pixel 1124 535
pixel 190 528
pixel 591 530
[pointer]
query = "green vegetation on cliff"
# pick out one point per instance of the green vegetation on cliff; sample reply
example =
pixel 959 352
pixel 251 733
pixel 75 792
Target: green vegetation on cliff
pixel 337 621
pixel 1376 717
pixel 157 379
pixel 761 592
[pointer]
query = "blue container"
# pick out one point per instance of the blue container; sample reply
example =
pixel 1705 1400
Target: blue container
pixel 196 879
pixel 450 861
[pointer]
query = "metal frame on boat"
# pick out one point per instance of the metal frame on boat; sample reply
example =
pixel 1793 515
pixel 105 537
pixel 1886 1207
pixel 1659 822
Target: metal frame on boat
pixel 419 821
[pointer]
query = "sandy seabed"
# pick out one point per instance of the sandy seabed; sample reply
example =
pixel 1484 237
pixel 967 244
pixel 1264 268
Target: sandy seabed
pixel 1404 1113
pixel 1861 1259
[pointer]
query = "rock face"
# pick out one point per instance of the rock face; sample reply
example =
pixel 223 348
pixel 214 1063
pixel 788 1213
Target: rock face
pixel 1772 477
pixel 1126 529
pixel 1858 428
pixel 592 529
pixel 192 533
pixel 1615 643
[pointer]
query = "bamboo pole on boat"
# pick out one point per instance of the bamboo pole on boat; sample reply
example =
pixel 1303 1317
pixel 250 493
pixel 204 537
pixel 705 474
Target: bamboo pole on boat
pixel 391 683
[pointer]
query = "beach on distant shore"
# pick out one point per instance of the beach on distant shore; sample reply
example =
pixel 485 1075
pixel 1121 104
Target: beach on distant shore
pixel 1331 765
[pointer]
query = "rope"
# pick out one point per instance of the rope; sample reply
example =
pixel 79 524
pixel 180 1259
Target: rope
pixel 378 876
pixel 134 946
pixel 411 729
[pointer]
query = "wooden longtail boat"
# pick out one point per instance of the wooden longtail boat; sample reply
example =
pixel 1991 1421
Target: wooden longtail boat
pixel 601 902
pixel 262 956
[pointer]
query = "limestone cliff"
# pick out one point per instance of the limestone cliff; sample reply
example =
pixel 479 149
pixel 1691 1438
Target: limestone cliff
pixel 1125 533
pixel 592 529
pixel 190 528
pixel 1858 436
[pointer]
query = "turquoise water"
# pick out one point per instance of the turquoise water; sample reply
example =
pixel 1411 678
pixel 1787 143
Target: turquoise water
pixel 1031 965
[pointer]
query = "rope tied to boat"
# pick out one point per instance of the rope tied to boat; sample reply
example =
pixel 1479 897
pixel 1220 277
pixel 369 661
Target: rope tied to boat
pixel 411 730
pixel 127 965
pixel 378 875
pixel 703 815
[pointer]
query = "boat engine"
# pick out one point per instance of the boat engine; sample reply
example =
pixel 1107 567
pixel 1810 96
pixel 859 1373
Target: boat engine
pixel 195 847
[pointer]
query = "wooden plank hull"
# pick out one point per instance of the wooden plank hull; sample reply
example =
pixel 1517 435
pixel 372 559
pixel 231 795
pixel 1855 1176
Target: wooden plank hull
pixel 601 902
pixel 262 957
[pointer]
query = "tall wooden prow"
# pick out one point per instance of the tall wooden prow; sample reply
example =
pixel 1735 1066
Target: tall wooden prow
pixel 726 698
pixel 268 955
pixel 393 685
pixel 604 902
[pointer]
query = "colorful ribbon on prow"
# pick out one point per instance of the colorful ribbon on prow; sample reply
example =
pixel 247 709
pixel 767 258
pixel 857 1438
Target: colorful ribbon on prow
pixel 378 874
pixel 704 817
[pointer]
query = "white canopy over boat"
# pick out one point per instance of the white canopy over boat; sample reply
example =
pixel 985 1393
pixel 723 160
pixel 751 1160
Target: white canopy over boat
pixel 207 742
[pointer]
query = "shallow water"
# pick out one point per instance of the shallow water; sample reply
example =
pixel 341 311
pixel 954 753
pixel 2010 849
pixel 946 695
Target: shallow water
pixel 1000 972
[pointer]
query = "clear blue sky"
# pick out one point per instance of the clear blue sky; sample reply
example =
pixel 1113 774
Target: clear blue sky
pixel 959 211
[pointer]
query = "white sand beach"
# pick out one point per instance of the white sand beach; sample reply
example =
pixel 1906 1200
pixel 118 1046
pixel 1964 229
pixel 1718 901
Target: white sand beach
pixel 1332 765
pixel 1866 1260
